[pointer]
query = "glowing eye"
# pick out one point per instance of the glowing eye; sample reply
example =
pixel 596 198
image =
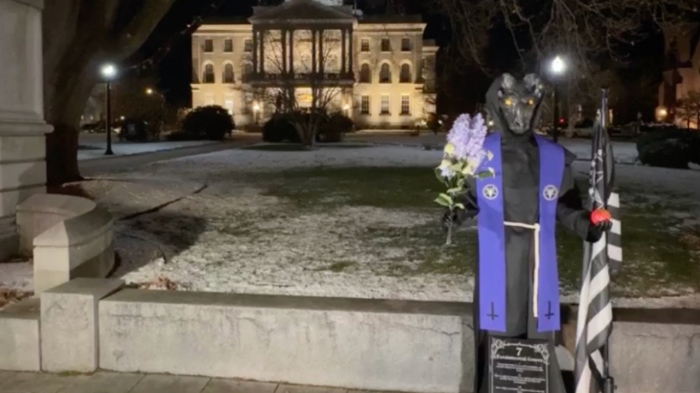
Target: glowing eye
pixel 507 102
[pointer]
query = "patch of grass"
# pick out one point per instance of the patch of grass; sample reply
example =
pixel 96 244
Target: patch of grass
pixel 659 256
pixel 401 187
pixel 426 246
pixel 656 258
pixel 338 267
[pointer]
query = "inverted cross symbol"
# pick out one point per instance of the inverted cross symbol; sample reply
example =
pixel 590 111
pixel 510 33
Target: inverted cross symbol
pixel 549 313
pixel 492 315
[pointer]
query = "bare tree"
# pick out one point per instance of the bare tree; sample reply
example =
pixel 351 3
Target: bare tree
pixel 590 34
pixel 688 109
pixel 305 92
pixel 78 36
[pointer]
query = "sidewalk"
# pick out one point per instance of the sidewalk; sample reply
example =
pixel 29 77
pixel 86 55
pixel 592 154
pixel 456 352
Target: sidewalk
pixel 108 382
pixel 124 162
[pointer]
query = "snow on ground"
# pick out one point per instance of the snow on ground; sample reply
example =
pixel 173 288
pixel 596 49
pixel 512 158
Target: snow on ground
pixel 93 146
pixel 624 152
pixel 97 150
pixel 233 236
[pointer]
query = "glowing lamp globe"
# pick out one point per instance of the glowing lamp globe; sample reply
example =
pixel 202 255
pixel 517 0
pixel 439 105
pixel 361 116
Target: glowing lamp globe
pixel 558 66
pixel 108 71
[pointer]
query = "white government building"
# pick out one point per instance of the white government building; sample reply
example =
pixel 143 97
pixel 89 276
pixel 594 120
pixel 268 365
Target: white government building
pixel 380 68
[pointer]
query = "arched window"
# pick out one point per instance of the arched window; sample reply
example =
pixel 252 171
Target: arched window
pixel 208 76
pixel 228 73
pixel 385 74
pixel 365 74
pixel 247 71
pixel 405 76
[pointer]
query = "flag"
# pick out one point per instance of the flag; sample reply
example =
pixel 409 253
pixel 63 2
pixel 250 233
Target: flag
pixel 594 322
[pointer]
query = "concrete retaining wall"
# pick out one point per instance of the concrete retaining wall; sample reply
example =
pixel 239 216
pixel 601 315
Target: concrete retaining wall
pixel 356 344
pixel 347 343
pixel 68 237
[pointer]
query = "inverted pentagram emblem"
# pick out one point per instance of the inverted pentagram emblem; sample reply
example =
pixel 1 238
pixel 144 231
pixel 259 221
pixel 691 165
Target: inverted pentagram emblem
pixel 490 192
pixel 550 193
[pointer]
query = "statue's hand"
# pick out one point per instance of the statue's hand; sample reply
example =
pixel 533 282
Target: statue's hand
pixel 600 223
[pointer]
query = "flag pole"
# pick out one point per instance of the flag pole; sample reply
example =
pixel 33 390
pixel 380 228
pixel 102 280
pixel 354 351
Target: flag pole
pixel 608 382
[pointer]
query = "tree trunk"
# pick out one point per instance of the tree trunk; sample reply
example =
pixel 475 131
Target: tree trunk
pixel 62 154
pixel 63 107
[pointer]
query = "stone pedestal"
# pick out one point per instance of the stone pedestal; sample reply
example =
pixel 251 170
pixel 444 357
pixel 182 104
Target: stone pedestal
pixel 22 125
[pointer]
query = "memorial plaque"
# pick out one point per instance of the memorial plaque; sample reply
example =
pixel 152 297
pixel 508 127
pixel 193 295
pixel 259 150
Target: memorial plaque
pixel 518 366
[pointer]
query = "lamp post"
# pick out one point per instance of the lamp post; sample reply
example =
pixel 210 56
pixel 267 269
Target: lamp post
pixel 109 72
pixel 557 68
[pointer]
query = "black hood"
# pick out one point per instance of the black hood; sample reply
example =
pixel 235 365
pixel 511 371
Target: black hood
pixel 495 113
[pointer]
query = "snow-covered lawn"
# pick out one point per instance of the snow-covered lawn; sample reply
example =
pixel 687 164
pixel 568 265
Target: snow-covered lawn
pixel 359 222
pixel 93 146
pixel 624 152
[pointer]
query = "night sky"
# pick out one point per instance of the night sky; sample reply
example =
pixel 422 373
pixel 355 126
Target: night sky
pixel 469 84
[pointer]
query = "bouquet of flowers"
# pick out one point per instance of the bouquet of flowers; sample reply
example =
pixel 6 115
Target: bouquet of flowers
pixel 462 159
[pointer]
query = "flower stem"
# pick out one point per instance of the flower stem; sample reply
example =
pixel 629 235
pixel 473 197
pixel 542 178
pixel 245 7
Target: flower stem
pixel 448 241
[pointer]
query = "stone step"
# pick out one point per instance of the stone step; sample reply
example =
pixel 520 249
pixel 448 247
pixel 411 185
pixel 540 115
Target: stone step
pixel 19 341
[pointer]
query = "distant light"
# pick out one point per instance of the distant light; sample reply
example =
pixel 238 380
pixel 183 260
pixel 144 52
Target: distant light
pixel 108 71
pixel 149 91
pixel 256 107
pixel 346 107
pixel 121 118
pixel 661 113
pixel 558 66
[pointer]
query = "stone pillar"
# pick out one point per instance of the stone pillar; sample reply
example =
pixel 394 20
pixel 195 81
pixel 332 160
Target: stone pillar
pixel 255 50
pixel 351 50
pixel 22 125
pixel 291 51
pixel 321 58
pixel 344 49
pixel 262 51
pixel 313 51
pixel 283 42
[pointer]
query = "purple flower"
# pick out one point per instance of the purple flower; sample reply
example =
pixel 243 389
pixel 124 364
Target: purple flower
pixel 467 136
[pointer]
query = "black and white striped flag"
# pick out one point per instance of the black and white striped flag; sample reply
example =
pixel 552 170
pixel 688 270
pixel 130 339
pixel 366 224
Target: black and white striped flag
pixel 594 322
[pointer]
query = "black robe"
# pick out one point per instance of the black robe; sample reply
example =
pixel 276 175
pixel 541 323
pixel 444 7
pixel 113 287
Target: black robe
pixel 520 157
pixel 521 169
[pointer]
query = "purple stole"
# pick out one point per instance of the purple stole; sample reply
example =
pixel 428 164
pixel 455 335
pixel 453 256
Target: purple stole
pixel 492 247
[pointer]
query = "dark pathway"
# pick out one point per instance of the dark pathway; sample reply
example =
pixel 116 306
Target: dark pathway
pixel 96 166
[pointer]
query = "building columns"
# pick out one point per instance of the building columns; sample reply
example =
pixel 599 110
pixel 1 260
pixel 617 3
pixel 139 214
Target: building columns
pixel 343 50
pixel 313 51
pixel 255 50
pixel 283 42
pixel 262 51
pixel 22 125
pixel 351 51
pixel 321 66
pixel 291 51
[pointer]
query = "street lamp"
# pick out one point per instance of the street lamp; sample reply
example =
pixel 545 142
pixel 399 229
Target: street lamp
pixel 109 72
pixel 149 91
pixel 346 108
pixel 557 68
